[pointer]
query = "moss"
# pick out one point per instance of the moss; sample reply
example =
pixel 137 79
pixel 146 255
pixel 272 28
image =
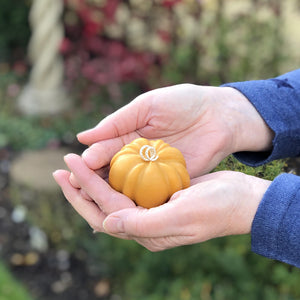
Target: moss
pixel 268 171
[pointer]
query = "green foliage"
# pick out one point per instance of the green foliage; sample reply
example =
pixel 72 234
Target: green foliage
pixel 10 289
pixel 219 269
pixel 14 28
pixel 21 134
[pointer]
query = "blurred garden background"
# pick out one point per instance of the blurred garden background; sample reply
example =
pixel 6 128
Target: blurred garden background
pixel 64 65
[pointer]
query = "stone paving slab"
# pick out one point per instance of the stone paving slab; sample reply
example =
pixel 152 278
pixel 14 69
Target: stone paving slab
pixel 34 169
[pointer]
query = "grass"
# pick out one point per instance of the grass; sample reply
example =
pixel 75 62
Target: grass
pixel 10 288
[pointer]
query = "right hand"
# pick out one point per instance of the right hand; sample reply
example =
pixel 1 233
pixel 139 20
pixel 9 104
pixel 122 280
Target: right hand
pixel 205 123
pixel 215 205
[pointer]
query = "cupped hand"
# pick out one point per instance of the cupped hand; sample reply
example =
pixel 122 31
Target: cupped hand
pixel 205 123
pixel 216 204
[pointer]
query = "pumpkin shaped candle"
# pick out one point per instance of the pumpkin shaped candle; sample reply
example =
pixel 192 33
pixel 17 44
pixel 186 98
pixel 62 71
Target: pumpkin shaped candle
pixel 148 171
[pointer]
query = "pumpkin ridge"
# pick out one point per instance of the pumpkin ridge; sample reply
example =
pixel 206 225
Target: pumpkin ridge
pixel 183 174
pixel 140 179
pixel 138 143
pixel 171 154
pixel 178 182
pixel 161 145
pixel 147 191
pixel 165 176
pixel 132 179
pixel 117 176
pixel 118 155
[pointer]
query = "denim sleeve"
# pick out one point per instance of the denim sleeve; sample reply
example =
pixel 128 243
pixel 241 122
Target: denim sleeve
pixel 275 229
pixel 276 226
pixel 278 102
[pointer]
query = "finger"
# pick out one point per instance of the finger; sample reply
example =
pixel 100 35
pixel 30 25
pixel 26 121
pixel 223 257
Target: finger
pixel 74 181
pixel 125 120
pixel 76 185
pixel 85 195
pixel 107 198
pixel 102 172
pixel 87 209
pixel 145 223
pixel 100 154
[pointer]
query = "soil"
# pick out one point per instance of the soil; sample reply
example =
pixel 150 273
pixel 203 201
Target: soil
pixel 48 275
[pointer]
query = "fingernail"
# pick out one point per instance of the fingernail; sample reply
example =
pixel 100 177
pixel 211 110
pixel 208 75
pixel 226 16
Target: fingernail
pixel 66 156
pixel 113 225
pixel 54 174
pixel 69 156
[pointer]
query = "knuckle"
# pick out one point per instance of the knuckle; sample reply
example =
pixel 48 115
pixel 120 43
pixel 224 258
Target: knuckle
pixel 137 225
pixel 73 181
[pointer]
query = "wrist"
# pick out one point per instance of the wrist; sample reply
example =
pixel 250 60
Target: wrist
pixel 250 191
pixel 255 190
pixel 249 130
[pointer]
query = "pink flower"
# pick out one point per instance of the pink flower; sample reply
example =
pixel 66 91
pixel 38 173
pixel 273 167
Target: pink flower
pixel 110 9
pixel 170 3
pixel 65 46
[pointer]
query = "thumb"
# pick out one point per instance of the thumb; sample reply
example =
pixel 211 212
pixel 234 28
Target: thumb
pixel 141 222
pixel 125 120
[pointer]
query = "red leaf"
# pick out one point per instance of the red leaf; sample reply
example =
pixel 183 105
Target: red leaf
pixel 170 3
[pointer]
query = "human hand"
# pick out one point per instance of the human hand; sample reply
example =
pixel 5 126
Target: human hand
pixel 93 198
pixel 205 123
pixel 217 204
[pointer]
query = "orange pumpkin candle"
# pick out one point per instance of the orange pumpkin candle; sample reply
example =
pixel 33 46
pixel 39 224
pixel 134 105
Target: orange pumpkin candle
pixel 148 172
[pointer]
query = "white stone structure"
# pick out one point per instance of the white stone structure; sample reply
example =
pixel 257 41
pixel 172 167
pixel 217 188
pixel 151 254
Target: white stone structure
pixel 44 94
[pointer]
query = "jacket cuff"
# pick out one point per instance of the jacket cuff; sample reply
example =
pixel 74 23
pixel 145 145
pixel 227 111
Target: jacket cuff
pixel 275 229
pixel 277 100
